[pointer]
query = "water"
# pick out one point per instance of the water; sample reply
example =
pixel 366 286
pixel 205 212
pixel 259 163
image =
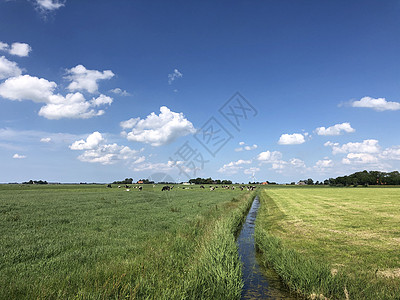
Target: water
pixel 259 283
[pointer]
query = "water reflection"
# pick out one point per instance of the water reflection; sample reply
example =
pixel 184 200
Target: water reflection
pixel 258 282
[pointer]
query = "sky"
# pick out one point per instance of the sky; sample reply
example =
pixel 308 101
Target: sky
pixel 242 90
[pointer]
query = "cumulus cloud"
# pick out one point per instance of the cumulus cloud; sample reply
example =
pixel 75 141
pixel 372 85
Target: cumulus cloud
pixel 129 124
pixel 297 163
pixel 18 156
pixel 323 165
pixel 120 92
pixel 360 158
pixel 17 48
pixel 269 156
pixel 20 49
pixel 155 167
pixel 96 151
pixel 84 79
pixel 366 146
pixel 245 148
pixel 291 139
pixel 234 166
pixel 251 171
pixel 91 142
pixel 26 87
pixel 158 130
pixel 101 100
pixel 45 140
pixel 3 46
pixel 335 129
pixel 392 153
pixel 57 106
pixel 49 5
pixel 8 68
pixel 378 104
pixel 173 76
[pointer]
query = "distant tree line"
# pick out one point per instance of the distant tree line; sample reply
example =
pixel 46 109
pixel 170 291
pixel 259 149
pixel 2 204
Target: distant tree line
pixel 146 181
pixel 130 181
pixel 125 181
pixel 35 182
pixel 209 180
pixel 367 178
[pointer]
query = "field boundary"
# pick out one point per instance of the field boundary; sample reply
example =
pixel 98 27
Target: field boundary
pixel 217 273
pixel 303 275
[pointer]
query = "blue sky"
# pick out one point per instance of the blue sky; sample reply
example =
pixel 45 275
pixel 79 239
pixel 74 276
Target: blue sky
pixel 97 92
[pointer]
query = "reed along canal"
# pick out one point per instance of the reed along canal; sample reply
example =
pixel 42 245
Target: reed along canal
pixel 259 283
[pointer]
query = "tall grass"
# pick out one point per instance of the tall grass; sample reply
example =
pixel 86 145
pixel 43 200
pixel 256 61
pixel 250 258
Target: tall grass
pixel 90 242
pixel 304 258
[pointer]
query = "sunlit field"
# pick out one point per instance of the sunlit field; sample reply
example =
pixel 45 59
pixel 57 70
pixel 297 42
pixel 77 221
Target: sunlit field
pixel 89 241
pixel 338 242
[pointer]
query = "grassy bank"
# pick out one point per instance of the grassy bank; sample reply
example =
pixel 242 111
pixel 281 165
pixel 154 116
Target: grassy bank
pixel 336 242
pixel 90 242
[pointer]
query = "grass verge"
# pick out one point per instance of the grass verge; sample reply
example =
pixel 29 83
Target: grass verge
pixel 90 242
pixel 318 243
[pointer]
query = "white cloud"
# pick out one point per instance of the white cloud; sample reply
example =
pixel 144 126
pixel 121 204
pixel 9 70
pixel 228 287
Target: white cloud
pixel 155 167
pixel 392 153
pixel 8 68
pixel 140 160
pixel 245 148
pixel 335 129
pixel 3 46
pixel 101 100
pixel 20 49
pixel 291 139
pixel 84 79
pixel 45 140
pixel 72 106
pixel 360 158
pixel 251 171
pixel 269 156
pixel 158 130
pixel 129 124
pixel 234 166
pixel 49 5
pixel 91 142
pixel 106 154
pixel 173 76
pixel 120 92
pixel 297 163
pixel 279 165
pixel 18 156
pixel 323 165
pixel 26 87
pixel 378 104
pixel 366 146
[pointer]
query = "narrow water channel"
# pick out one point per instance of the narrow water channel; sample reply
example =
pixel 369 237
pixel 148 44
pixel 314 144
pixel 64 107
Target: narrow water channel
pixel 258 282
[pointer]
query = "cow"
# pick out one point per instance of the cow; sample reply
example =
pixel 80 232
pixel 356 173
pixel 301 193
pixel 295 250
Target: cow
pixel 166 188
pixel 202 186
pixel 140 188
pixel 109 186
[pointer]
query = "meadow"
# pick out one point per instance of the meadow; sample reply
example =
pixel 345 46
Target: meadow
pixel 338 243
pixel 93 242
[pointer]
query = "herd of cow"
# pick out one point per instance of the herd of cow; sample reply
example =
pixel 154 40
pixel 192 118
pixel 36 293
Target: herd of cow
pixel 212 188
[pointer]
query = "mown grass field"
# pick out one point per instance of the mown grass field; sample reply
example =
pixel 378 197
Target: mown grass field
pixel 92 242
pixel 337 242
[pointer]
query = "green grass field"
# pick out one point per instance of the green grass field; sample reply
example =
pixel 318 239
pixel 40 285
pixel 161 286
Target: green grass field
pixel 91 242
pixel 338 242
